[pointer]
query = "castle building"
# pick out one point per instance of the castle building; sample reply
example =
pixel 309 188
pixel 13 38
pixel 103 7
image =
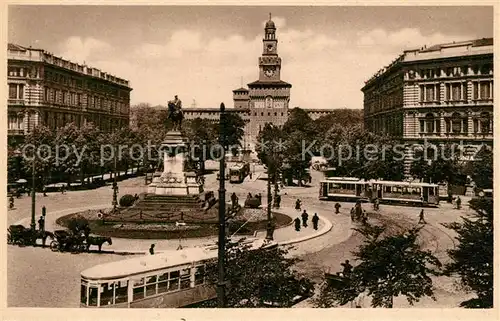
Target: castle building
pixel 45 89
pixel 266 100
pixel 441 94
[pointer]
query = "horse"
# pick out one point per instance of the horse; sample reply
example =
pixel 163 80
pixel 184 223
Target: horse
pixel 175 115
pixel 98 240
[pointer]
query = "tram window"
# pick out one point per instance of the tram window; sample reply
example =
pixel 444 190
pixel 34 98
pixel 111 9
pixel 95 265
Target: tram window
pixel 387 189
pixel 138 289
pixel 404 190
pixel 199 277
pixel 93 297
pixel 185 278
pixel 173 284
pixel 431 191
pixel 162 287
pixel 83 294
pixel 106 294
pixel 121 292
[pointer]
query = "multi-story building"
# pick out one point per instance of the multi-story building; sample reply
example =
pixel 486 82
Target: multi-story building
pixel 439 94
pixel 266 100
pixel 45 89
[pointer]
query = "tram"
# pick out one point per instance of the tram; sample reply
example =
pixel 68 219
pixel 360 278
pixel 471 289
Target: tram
pixel 238 172
pixel 354 189
pixel 344 189
pixel 169 279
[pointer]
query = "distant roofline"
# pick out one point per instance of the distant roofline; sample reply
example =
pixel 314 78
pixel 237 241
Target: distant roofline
pixel 15 47
pixel 279 83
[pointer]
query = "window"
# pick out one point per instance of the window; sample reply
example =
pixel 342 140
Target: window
pixel 455 91
pixel 429 123
pixel 107 296
pixel 456 123
pixel 185 278
pixel 12 91
pixel 485 123
pixel 138 289
pixel 173 283
pixel 484 90
pixel 262 114
pixel 151 285
pixel 93 296
pixel 83 293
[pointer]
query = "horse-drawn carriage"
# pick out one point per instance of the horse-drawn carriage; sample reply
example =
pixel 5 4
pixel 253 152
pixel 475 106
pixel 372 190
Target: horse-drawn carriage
pixel 66 241
pixel 253 202
pixel 20 235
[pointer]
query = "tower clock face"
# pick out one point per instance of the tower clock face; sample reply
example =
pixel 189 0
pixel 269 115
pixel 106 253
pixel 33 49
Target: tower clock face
pixel 270 48
pixel 269 72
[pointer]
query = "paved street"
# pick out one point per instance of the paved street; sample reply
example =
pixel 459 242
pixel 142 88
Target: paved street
pixel 60 271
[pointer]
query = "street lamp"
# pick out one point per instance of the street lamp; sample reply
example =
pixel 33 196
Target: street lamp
pixel 221 284
pixel 115 187
pixel 26 112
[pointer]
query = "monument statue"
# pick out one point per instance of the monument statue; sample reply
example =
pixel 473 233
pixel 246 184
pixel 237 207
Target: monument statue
pixel 175 113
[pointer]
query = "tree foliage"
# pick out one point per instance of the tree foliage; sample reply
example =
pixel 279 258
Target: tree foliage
pixel 388 266
pixel 472 257
pixel 482 172
pixel 259 277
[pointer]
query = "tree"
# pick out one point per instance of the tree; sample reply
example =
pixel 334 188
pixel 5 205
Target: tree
pixel 472 258
pixel 234 127
pixel 270 152
pixel 201 135
pixel 420 167
pixel 388 266
pixel 482 171
pixel 42 139
pixel 259 277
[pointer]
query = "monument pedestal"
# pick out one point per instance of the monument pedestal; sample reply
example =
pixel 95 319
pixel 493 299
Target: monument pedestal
pixel 174 180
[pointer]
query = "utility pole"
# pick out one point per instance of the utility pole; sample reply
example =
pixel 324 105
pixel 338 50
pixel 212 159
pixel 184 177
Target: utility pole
pixel 221 284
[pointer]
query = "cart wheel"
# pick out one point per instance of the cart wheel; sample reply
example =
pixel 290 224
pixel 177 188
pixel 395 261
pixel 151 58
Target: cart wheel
pixel 54 246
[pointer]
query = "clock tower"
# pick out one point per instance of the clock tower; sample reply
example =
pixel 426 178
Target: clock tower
pixel 269 62
pixel 269 96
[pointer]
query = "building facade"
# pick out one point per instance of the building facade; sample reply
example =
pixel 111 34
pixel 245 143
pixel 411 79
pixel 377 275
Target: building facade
pixel 441 94
pixel 45 89
pixel 266 100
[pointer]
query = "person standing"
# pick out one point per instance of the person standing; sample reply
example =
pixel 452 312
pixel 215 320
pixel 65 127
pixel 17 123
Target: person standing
pixel 347 268
pixel 305 216
pixel 41 223
pixel 298 204
pixel 421 217
pixel 234 199
pixel 337 208
pixel 278 200
pixel 459 202
pixel 315 220
pixel 44 191
pixel 353 213
pixel 152 249
pixel 11 202
pixel 297 224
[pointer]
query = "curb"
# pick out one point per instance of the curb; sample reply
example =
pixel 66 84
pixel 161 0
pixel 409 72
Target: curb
pixel 327 228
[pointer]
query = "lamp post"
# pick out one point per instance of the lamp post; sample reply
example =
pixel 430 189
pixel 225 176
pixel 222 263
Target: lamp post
pixel 26 112
pixel 115 187
pixel 221 284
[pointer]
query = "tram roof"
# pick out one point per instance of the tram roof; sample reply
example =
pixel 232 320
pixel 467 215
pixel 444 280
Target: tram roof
pixel 404 183
pixel 347 180
pixel 163 260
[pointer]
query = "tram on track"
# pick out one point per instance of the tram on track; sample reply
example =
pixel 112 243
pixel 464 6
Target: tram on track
pixel 395 192
pixel 169 279
pixel 238 172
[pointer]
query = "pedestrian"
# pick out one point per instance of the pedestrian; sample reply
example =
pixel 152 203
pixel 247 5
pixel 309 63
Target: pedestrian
pixel 315 220
pixel 297 224
pixel 337 208
pixel 44 191
pixel 421 217
pixel 347 268
pixel 250 175
pixel 353 212
pixel 278 200
pixel 310 179
pixel 11 202
pixel 233 199
pixel 249 195
pixel 298 204
pixel 41 223
pixel 44 211
pixel 304 218
pixel 152 249
pixel 459 202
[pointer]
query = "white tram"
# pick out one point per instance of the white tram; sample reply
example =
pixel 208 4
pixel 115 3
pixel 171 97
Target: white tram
pixel 169 279
pixel 344 188
pixel 354 189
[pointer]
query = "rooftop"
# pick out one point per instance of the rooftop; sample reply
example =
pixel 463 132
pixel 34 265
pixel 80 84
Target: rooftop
pixel 277 83
pixel 18 52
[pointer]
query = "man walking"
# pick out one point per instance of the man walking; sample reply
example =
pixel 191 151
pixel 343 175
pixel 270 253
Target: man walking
pixel 421 217
pixel 41 223
pixel 278 200
pixel 234 199
pixel 315 220
pixel 297 224
pixel 298 204
pixel 304 218
pixel 337 208
pixel 152 249
pixel 459 202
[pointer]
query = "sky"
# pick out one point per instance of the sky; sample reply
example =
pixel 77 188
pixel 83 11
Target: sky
pixel 202 53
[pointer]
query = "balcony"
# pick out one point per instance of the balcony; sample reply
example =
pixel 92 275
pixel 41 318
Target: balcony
pixel 15 101
pixel 15 132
